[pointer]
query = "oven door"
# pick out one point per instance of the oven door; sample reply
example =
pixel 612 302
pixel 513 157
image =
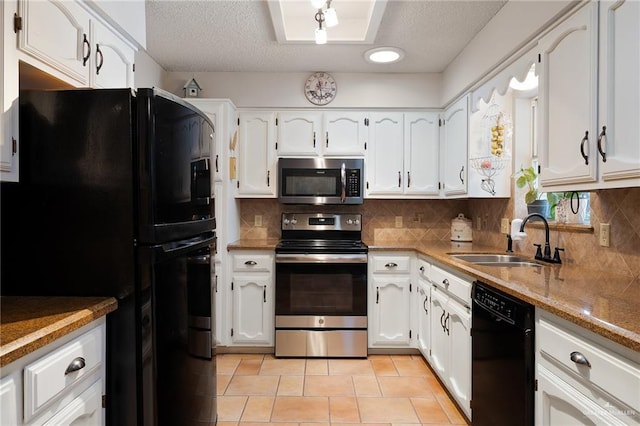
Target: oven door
pixel 321 285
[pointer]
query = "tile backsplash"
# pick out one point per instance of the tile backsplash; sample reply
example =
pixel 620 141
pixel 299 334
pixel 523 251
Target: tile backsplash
pixel 430 220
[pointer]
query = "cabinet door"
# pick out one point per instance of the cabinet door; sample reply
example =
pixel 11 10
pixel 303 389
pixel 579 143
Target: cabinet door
pixel 385 155
pixel 558 403
pixel 252 310
pixel 391 312
pixel 458 329
pixel 421 139
pixel 619 100
pixel 453 148
pixel 57 33
pixel 439 338
pixel 113 58
pixel 9 91
pixel 10 401
pixel 299 133
pixel 216 290
pixel 85 410
pixel 256 175
pixel 567 100
pixel 345 133
pixel 423 319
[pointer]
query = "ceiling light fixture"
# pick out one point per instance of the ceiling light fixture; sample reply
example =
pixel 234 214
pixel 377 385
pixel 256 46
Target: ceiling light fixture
pixel 384 55
pixel 329 17
pixel 321 33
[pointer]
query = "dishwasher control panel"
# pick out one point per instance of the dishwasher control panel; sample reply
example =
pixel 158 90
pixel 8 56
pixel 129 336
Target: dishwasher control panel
pixel 496 303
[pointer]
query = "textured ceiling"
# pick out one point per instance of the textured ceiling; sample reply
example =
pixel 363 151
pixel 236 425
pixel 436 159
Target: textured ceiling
pixel 220 35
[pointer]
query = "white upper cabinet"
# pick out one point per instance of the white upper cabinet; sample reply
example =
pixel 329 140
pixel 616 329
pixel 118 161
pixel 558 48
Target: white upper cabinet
pixel 256 153
pixel 298 133
pixel 74 44
pixel 345 133
pixel 113 58
pixel 402 156
pixel 421 139
pixel 335 133
pixel 568 100
pixel 589 99
pixel 57 34
pixel 385 155
pixel 453 148
pixel 619 100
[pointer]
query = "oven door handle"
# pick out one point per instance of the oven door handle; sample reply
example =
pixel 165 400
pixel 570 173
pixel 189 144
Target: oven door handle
pixel 320 258
pixel 343 181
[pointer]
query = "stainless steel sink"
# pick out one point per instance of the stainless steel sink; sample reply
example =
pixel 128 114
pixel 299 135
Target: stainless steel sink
pixel 489 259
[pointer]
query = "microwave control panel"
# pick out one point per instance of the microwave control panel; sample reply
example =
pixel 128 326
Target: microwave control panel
pixel 353 183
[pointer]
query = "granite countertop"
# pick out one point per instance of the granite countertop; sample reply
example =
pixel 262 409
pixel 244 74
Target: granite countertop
pixel 28 323
pixel 603 302
pixel 254 244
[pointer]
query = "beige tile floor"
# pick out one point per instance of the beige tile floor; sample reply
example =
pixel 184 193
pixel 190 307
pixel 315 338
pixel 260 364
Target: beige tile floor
pixel 380 390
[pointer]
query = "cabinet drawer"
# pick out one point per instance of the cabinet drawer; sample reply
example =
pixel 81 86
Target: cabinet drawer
pixel 609 371
pixel 390 264
pixel 424 269
pixel 453 284
pixel 52 374
pixel 252 262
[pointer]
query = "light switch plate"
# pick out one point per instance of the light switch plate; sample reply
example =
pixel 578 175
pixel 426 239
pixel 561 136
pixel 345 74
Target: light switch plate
pixel 605 234
pixel 398 221
pixel 257 220
pixel 504 225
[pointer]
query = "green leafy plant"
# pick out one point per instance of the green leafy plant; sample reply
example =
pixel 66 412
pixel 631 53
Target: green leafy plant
pixel 527 177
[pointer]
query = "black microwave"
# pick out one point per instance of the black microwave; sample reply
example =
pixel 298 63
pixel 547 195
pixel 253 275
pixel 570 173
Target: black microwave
pixel 320 180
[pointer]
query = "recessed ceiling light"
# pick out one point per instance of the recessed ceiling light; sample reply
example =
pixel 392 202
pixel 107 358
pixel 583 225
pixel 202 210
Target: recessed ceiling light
pixel 384 55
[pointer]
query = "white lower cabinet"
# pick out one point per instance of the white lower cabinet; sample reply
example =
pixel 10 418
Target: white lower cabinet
pixel 583 379
pixel 252 293
pixel 450 354
pixel 59 384
pixel 389 298
pixel 422 310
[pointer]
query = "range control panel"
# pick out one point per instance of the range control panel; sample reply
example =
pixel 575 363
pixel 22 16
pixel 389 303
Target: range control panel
pixel 496 303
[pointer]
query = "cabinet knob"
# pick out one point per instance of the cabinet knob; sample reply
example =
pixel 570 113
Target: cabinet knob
pixel 391 265
pixel 250 263
pixel 75 365
pixel 578 358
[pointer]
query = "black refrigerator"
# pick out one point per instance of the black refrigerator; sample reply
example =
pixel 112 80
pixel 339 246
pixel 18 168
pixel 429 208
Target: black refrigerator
pixel 114 199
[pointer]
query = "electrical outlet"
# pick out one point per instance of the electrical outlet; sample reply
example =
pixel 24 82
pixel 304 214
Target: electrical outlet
pixel 479 223
pixel 257 220
pixel 504 225
pixel 605 234
pixel 398 221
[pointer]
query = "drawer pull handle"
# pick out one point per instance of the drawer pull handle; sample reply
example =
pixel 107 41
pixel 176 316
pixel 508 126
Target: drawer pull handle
pixel 250 263
pixel 391 265
pixel 76 364
pixel 578 358
pixel 445 282
pixel 422 269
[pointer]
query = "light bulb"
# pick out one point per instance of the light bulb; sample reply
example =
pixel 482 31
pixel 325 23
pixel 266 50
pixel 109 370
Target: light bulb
pixel 331 17
pixel 321 36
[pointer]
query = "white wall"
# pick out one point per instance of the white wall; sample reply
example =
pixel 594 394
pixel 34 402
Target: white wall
pixel 285 90
pixel 512 27
pixel 148 72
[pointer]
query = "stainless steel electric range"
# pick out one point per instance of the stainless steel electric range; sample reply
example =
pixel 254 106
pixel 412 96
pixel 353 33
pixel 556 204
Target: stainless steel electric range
pixel 321 286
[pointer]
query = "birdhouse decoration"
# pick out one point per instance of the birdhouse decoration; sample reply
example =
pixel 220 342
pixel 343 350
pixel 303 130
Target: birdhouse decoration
pixel 192 89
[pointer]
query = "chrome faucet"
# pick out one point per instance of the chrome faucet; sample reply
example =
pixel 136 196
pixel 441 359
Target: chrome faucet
pixel 546 257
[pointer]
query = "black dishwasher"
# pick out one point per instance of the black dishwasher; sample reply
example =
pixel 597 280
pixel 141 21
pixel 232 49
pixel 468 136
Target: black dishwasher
pixel 502 350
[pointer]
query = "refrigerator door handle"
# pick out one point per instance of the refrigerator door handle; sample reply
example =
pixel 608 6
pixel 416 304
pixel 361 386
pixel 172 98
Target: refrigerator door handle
pixel 155 253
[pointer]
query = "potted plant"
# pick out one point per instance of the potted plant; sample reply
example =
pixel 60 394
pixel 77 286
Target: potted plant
pixel 528 177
